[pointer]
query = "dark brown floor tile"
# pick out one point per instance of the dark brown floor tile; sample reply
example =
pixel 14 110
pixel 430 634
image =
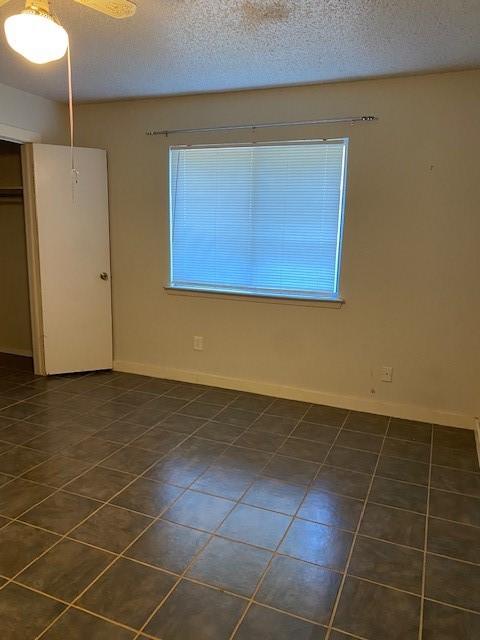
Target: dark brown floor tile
pixel 19 495
pixel 300 588
pixel 338 635
pixel 122 432
pixel 394 525
pixel 358 440
pixel 178 469
pixel 388 564
pixel 56 440
pixel 121 380
pixel 261 623
pixel 21 410
pixel 321 414
pixel 317 543
pixel 157 386
pixel 278 425
pixel 127 592
pixel 406 449
pixel 195 612
pixel 316 432
pixel 362 461
pixel 463 459
pixel 329 508
pixel 201 409
pixel 375 612
pixel 255 526
pixel 149 415
pixel 168 546
pixel 199 510
pixel 53 417
pixel 135 397
pixel 399 494
pixel 304 449
pixel 158 439
pixel 224 483
pixel 260 440
pixel 236 417
pixel 232 566
pixel 65 570
pixel 243 458
pixel 252 402
pixel 15 601
pixel 186 391
pixel 447 623
pixel 406 470
pixel 111 528
pixel 367 422
pixel 56 471
pixel 343 482
pixel 99 483
pixel 115 410
pixel 21 432
pixel 275 495
pixel 288 408
pixel 20 544
pixel 79 625
pixel 60 512
pixel 147 496
pixel 456 480
pixel 20 459
pixel 220 397
pixel 453 582
pixel 182 423
pixel 456 507
pixel 290 469
pixel 220 432
pixel 410 430
pixel 91 450
pixel 453 437
pixel 453 539
pixel 131 460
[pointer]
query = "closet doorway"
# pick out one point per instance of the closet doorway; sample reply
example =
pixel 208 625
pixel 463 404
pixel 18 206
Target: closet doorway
pixel 55 288
pixel 15 324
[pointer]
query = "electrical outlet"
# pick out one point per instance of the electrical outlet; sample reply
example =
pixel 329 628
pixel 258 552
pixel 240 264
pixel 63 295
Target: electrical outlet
pixel 386 374
pixel 198 343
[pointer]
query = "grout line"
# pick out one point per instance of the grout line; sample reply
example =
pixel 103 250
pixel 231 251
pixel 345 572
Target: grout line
pixel 425 544
pixel 355 535
pixel 275 554
pixel 116 557
pixel 192 561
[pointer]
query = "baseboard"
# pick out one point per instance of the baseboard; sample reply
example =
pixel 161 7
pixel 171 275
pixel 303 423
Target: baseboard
pixel 354 403
pixel 17 352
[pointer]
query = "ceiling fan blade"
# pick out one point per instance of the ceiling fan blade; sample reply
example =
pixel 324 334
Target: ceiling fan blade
pixel 113 8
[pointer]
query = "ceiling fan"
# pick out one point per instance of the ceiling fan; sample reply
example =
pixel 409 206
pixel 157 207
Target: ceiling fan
pixel 37 34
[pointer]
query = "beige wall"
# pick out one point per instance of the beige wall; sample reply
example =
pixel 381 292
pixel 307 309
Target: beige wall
pixel 411 259
pixel 32 113
pixel 15 332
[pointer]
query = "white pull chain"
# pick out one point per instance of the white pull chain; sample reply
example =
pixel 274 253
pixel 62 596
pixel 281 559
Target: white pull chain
pixel 75 173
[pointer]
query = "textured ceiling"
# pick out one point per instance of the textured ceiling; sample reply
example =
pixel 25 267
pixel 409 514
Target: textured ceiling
pixel 184 46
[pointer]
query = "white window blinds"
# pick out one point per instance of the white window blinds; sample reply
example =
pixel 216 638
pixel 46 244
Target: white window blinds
pixel 264 219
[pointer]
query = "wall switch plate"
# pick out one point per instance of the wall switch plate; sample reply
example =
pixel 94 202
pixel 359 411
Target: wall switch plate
pixel 198 343
pixel 386 374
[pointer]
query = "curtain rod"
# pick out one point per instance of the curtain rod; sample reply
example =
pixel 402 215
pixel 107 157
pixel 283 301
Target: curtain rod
pixel 264 125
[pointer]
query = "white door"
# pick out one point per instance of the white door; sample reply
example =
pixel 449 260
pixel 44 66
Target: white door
pixel 69 258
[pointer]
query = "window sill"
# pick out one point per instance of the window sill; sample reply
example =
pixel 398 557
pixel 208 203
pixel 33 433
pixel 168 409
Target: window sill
pixel 330 303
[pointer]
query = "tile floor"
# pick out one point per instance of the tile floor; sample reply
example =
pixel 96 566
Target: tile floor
pixel 134 508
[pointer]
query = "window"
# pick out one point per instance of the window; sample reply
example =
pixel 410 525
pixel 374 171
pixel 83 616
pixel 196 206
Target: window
pixel 262 219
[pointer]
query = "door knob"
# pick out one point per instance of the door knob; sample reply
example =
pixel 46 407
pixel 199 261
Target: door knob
pixel 104 275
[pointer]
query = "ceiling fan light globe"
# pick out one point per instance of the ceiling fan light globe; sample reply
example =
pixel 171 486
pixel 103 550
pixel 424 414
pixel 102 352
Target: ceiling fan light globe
pixel 37 37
